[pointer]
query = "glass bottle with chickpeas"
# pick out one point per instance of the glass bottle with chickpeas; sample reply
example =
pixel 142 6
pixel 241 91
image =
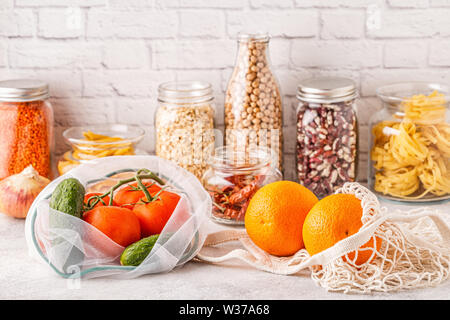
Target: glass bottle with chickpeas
pixel 253 108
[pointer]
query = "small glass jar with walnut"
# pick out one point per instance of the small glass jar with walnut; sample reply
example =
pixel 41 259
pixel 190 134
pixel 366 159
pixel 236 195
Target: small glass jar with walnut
pixel 234 177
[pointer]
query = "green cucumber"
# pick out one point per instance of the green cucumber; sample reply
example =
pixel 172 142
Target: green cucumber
pixel 68 197
pixel 135 253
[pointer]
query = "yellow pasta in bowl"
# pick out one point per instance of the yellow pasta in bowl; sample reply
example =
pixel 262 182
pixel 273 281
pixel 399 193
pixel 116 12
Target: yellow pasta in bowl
pixel 92 142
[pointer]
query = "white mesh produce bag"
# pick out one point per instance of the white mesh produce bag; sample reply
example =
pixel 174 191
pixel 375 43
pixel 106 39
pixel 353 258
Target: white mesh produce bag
pixel 414 253
pixel 79 249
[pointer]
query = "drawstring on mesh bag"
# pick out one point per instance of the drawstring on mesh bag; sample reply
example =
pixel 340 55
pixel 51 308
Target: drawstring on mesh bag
pixel 414 251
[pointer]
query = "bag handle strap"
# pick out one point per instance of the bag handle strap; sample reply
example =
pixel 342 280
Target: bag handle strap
pixel 301 260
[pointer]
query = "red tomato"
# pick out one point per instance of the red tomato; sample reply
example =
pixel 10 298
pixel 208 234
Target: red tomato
pixel 153 216
pixel 99 204
pixel 128 196
pixel 120 224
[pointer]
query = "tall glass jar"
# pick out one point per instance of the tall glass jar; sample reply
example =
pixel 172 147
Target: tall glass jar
pixel 253 108
pixel 410 143
pixel 327 134
pixel 26 127
pixel 234 177
pixel 184 124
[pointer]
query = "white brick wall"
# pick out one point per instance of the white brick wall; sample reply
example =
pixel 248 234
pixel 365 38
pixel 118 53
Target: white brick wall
pixel 105 58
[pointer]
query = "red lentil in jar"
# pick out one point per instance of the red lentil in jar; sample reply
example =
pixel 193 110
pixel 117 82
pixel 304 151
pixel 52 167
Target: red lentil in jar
pixel 26 127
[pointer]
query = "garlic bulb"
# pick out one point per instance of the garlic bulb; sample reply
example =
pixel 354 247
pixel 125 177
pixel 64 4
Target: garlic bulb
pixel 17 192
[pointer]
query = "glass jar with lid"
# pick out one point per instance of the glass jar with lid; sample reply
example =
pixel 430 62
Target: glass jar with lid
pixel 233 178
pixel 184 124
pixel 327 134
pixel 409 143
pixel 253 108
pixel 26 127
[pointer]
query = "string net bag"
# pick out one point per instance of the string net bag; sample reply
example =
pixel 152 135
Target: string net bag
pixel 414 251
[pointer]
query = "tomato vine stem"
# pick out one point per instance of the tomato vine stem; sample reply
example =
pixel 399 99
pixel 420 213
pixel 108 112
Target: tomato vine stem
pixel 138 177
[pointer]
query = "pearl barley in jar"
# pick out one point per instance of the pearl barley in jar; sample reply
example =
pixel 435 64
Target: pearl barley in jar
pixel 26 127
pixel 253 109
pixel 184 124
pixel 327 134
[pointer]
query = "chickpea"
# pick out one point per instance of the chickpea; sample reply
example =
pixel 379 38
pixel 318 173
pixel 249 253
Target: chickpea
pixel 254 92
pixel 251 76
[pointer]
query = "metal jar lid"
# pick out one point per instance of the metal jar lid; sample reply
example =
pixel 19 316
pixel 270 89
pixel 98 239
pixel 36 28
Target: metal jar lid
pixel 22 90
pixel 326 90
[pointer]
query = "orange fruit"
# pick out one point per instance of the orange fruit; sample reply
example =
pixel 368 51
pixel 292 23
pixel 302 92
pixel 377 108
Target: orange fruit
pixel 275 215
pixel 332 219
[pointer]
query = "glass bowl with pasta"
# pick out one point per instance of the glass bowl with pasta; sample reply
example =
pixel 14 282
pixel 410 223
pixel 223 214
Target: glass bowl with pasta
pixel 409 143
pixel 98 141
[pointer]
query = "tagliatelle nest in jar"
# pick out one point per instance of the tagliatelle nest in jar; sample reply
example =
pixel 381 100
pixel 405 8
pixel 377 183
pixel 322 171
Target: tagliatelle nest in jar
pixel 412 156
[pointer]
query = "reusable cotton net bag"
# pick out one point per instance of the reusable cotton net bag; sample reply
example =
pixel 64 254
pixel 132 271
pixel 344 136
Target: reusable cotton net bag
pixel 74 248
pixel 414 252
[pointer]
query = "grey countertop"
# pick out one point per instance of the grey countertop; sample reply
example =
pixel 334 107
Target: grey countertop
pixel 21 277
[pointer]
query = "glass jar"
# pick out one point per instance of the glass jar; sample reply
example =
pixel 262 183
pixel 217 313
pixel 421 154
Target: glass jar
pixel 184 124
pixel 99 141
pixel 253 108
pixel 327 134
pixel 26 127
pixel 234 177
pixel 410 143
